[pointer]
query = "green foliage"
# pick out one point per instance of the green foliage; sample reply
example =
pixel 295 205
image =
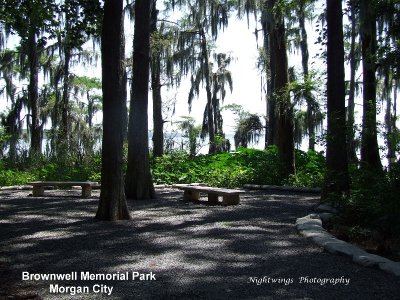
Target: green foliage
pixel 45 169
pixel 191 133
pixel 3 140
pixel 374 202
pixel 12 177
pixel 310 169
pixel 88 168
pixel 235 168
pixel 227 169
pixel 248 125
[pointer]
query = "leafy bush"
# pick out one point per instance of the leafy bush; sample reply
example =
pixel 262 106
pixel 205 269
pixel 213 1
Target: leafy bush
pixel 88 169
pixel 310 169
pixel 223 169
pixel 11 177
pixel 374 202
pixel 235 168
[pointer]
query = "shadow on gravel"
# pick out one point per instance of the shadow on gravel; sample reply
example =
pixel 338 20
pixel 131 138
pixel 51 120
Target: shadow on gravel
pixel 196 251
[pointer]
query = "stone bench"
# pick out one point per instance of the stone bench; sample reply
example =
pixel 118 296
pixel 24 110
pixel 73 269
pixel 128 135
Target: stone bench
pixel 192 193
pixel 38 186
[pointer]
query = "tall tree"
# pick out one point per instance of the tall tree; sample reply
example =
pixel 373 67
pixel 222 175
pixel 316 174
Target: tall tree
pixel 284 110
pixel 312 109
pixel 388 23
pixel 369 137
pixel 112 205
pixel 155 66
pixel 215 88
pixel 139 183
pixel 12 120
pixel 351 142
pixel 219 79
pixel 30 20
pixel 297 13
pixel 337 178
pixel 80 19
pixel 268 68
pixel 33 91
pixel 205 18
pixel 280 127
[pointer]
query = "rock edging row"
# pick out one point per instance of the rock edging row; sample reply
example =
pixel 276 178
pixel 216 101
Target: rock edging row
pixel 311 227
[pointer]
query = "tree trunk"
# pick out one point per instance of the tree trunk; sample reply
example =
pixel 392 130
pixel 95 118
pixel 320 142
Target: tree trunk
pixel 284 116
pixel 304 62
pixel 63 134
pixel 158 122
pixel 270 74
pixel 390 120
pixel 337 177
pixel 217 117
pixel 112 204
pixel 395 129
pixel 139 183
pixel 90 110
pixel 12 127
pixel 369 141
pixel 209 106
pixel 33 94
pixel 351 143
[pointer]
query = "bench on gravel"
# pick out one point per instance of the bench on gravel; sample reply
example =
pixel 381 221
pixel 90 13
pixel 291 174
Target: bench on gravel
pixel 38 186
pixel 192 193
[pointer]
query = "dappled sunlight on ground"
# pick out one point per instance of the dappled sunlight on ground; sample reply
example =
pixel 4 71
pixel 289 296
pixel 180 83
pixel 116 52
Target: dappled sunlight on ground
pixel 196 250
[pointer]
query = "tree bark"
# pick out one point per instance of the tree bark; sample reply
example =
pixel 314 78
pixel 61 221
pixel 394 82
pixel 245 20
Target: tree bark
pixel 369 137
pixel 63 135
pixel 270 74
pixel 139 183
pixel 284 116
pixel 351 143
pixel 390 120
pixel 304 62
pixel 112 204
pixel 209 106
pixel 337 177
pixel 33 94
pixel 155 64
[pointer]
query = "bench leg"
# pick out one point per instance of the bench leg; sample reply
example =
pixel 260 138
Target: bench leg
pixel 86 191
pixel 212 198
pixel 191 195
pixel 38 191
pixel 230 199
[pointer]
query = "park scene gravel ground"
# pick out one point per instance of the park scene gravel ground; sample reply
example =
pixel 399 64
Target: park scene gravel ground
pixel 188 250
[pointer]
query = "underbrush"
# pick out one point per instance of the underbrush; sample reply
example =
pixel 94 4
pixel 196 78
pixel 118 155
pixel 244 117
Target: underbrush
pixel 371 213
pixel 83 170
pixel 234 169
pixel 231 169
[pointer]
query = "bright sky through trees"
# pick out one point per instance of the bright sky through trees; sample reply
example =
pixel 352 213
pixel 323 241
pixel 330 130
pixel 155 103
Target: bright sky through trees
pixel 239 41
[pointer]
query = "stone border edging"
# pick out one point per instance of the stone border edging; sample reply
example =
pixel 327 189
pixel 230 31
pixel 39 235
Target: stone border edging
pixel 282 188
pixel 311 227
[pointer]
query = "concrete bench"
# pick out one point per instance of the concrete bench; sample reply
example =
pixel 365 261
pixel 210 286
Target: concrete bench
pixel 38 186
pixel 192 193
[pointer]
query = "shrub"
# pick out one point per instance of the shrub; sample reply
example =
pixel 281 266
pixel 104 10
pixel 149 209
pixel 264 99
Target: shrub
pixel 11 177
pixel 235 168
pixel 87 169
pixel 374 202
pixel 310 170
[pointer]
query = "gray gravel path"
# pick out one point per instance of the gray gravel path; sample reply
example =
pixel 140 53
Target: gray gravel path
pixel 195 251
